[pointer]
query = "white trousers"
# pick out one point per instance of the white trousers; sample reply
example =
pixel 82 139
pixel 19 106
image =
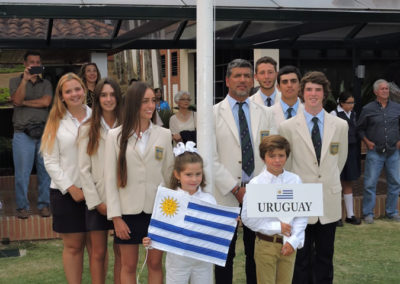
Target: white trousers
pixel 184 270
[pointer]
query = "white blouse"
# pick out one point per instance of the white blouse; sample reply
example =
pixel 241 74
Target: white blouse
pixel 176 125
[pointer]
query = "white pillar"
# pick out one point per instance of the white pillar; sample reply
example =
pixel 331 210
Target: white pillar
pixel 101 61
pixel 187 72
pixel 156 82
pixel 168 63
pixel 205 82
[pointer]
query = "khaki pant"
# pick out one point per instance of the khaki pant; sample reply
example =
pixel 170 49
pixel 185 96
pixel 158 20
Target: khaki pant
pixel 271 266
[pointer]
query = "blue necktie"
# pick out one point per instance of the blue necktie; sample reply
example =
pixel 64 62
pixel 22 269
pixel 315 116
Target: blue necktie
pixel 245 141
pixel 269 102
pixel 289 112
pixel 316 138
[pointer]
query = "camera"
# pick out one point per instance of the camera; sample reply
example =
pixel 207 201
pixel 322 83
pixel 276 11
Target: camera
pixel 36 70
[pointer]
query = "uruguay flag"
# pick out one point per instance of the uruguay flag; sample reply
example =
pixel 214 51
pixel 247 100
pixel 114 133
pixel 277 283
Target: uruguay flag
pixel 188 226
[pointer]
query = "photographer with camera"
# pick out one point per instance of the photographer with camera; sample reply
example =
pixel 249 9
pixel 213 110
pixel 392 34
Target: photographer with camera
pixel 31 96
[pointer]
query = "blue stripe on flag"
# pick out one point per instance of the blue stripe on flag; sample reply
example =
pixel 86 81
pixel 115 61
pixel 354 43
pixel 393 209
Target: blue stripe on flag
pixel 211 210
pixel 189 233
pixel 215 225
pixel 188 247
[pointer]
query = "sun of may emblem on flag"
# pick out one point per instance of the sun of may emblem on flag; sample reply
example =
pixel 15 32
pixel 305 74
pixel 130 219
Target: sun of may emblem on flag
pixel 169 206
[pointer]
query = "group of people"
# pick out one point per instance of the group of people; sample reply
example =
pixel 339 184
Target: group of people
pixel 106 161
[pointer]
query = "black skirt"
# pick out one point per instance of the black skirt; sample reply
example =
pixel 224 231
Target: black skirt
pixel 97 222
pixel 352 168
pixel 68 215
pixel 138 225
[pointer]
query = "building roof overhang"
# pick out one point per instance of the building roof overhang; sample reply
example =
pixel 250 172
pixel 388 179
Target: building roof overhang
pixel 157 24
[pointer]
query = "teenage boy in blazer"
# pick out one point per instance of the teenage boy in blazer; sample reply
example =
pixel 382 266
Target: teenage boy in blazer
pixel 265 74
pixel 312 167
pixel 288 83
pixel 230 178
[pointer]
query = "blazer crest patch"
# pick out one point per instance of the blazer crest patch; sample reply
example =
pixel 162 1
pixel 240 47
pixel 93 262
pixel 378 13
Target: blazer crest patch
pixel 263 134
pixel 159 153
pixel 334 148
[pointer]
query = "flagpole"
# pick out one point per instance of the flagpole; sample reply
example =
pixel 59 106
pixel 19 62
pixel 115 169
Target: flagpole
pixel 205 83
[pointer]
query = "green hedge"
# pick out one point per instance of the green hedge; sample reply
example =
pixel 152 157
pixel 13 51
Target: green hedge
pixel 18 68
pixel 4 95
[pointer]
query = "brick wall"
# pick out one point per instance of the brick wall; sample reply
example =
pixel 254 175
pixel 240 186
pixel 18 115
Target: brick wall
pixel 33 228
pixel 379 206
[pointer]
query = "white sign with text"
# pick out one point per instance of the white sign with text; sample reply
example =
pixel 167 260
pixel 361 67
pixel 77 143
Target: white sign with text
pixel 284 201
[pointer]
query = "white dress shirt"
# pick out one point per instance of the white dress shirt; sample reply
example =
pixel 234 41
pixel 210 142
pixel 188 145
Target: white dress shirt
pixel 339 109
pixel 144 137
pixel 272 226
pixel 200 194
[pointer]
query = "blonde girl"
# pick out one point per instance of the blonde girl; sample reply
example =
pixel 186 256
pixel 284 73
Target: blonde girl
pixel 138 157
pixel 60 153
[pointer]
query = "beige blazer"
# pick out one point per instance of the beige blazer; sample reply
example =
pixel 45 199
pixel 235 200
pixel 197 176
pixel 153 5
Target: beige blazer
pixel 257 98
pixel 278 112
pixel 228 154
pixel 145 171
pixel 92 168
pixel 62 163
pixel 302 160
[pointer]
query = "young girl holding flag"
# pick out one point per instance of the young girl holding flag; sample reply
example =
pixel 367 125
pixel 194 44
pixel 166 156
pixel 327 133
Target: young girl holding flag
pixel 187 177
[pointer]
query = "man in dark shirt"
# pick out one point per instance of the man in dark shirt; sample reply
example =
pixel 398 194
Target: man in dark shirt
pixel 378 127
pixel 31 96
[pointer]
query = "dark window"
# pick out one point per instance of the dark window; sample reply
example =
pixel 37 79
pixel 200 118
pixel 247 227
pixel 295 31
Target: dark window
pixel 174 64
pixel 163 73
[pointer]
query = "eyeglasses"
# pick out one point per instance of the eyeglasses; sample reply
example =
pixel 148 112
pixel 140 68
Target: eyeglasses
pixel 188 100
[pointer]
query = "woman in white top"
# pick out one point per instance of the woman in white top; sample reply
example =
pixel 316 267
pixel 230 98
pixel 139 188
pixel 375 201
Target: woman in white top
pixel 92 135
pixel 60 153
pixel 139 157
pixel 184 119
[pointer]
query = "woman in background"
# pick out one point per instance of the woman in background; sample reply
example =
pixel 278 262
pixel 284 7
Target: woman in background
pixel 183 123
pixel 160 103
pixel 90 75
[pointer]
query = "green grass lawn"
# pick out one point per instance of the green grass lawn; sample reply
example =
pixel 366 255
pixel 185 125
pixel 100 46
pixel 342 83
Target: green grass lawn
pixel 363 254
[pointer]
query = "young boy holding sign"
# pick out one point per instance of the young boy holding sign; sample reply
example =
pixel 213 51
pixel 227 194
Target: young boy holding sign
pixel 277 241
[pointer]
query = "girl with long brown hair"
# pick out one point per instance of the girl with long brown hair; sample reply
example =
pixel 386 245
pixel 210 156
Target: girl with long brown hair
pixel 139 157
pixel 60 153
pixel 106 114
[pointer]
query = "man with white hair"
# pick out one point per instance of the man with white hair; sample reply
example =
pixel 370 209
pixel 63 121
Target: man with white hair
pixel 378 127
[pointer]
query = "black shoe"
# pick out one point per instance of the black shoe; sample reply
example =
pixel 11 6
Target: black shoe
pixel 339 223
pixel 22 213
pixel 353 220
